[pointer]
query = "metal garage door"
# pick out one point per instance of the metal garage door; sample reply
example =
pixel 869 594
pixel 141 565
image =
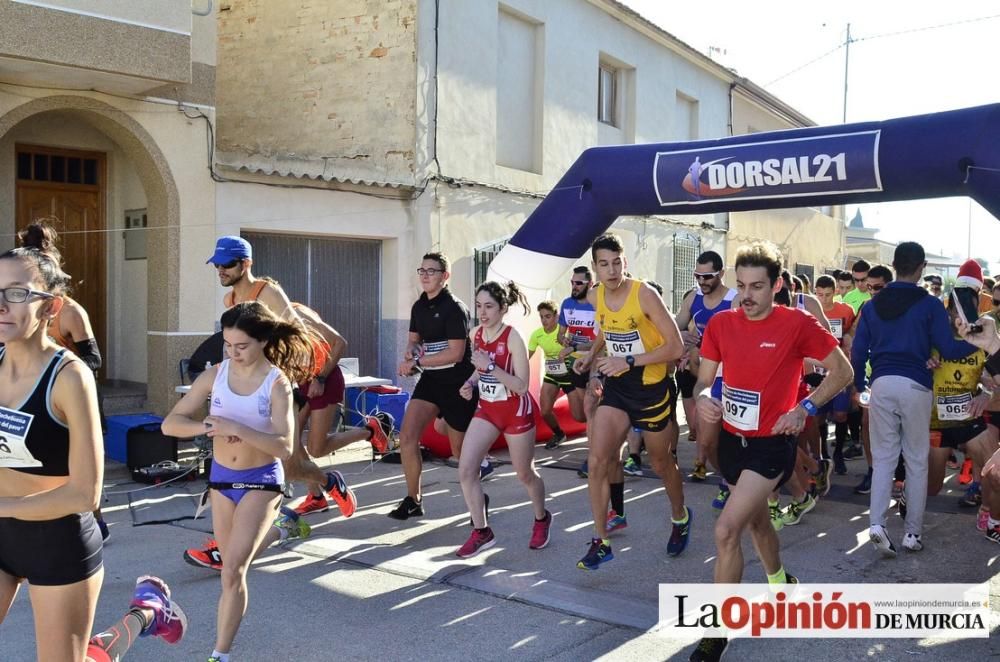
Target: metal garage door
pixel 338 278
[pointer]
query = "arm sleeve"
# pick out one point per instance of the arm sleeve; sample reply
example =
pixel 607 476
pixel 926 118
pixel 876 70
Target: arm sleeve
pixel 859 351
pixel 89 353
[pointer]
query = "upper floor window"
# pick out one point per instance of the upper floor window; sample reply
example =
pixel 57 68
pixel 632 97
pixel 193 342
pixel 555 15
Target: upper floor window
pixel 607 94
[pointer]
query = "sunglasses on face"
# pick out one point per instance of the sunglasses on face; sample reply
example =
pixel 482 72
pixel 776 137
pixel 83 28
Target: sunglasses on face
pixel 578 283
pixel 875 288
pixel 22 294
pixel 228 265
pixel 860 280
pixel 429 272
pixel 706 276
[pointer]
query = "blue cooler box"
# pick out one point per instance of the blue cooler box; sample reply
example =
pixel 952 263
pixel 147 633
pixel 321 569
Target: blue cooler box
pixel 362 403
pixel 116 437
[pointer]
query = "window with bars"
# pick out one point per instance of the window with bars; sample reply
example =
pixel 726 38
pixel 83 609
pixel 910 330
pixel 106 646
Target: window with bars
pixel 687 248
pixel 484 257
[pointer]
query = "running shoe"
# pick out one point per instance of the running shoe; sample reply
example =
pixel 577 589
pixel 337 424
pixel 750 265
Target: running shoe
pixel 582 471
pixel 901 505
pixel 598 554
pixel 692 436
pixel 105 532
pixel 700 473
pixel 710 649
pixel 911 541
pixel 540 532
pixel 823 482
pixel 479 540
pixel 291 525
pixel 865 486
pixel 793 513
pixel 679 535
pixel 952 461
pixel 839 467
pixel 632 468
pixel 719 502
pixel 994 534
pixel 973 496
pixel 983 519
pixel 486 471
pixel 853 451
pixel 965 476
pixel 380 428
pixel 880 538
pixel 342 495
pixel 557 438
pixel 774 510
pixel 897 488
pixel 169 621
pixel 209 557
pixel 615 522
pixel 407 508
pixel 312 504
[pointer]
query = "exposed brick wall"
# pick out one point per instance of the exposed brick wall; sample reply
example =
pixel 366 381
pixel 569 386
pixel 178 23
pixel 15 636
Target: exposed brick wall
pixel 318 87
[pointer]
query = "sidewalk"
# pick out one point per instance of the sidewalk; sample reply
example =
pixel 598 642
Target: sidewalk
pixel 370 587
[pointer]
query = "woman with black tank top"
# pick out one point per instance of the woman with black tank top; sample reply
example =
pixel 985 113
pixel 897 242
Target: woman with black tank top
pixel 252 425
pixel 50 478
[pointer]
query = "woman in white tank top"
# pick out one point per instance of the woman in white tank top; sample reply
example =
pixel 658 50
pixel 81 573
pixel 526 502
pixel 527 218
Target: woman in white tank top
pixel 251 424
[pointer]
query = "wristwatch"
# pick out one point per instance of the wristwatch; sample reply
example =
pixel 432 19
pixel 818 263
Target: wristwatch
pixel 416 361
pixel 630 360
pixel 492 366
pixel 809 406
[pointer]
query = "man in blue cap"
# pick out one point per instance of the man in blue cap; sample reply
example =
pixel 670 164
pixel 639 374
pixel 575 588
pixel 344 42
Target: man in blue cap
pixel 233 259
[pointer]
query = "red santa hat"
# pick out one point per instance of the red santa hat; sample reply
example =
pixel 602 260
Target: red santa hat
pixel 970 274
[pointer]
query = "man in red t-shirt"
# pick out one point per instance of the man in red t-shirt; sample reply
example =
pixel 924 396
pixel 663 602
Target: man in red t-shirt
pixel 761 348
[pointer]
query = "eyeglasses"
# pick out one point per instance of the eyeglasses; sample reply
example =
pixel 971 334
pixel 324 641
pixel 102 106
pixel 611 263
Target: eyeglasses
pixel 875 288
pixel 706 276
pixel 22 294
pixel 860 280
pixel 429 272
pixel 578 283
pixel 228 265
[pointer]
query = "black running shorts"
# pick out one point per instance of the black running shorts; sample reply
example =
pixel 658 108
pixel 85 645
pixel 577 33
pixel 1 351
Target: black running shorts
pixel 685 384
pixel 54 552
pixel 456 411
pixel 770 457
pixel 649 407
pixel 566 386
pixel 964 433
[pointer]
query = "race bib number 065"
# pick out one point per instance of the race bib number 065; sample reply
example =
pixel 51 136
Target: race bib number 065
pixel 740 408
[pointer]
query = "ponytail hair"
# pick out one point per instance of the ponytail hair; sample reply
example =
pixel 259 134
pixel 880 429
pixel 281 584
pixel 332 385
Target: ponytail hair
pixel 288 346
pixel 506 296
pixel 41 235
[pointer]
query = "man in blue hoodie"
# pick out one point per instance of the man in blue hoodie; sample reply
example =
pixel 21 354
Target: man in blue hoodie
pixel 896 332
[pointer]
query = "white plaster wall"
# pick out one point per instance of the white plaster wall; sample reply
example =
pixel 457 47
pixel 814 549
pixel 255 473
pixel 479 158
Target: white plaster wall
pixel 467 86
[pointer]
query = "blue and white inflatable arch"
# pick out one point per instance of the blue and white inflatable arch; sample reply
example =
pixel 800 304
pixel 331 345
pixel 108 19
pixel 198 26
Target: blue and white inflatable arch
pixel 954 153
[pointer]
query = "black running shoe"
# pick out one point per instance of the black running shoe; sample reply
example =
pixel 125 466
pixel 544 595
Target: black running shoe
pixel 710 649
pixel 408 508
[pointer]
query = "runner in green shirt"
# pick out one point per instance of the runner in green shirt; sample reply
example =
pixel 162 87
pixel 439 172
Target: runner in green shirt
pixel 860 293
pixel 556 369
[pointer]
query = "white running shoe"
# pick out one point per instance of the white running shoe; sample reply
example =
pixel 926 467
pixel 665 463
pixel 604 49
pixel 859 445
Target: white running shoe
pixel 880 538
pixel 912 542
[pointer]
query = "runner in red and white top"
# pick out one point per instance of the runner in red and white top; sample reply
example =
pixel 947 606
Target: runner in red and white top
pixel 505 406
pixel 761 348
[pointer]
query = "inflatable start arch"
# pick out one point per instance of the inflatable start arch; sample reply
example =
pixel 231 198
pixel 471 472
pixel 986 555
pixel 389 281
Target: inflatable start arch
pixel 954 153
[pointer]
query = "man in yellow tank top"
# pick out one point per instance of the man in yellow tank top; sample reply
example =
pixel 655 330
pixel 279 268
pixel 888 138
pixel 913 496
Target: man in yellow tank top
pixel 636 341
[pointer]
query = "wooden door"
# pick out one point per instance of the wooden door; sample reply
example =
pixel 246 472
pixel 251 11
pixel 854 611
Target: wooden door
pixel 68 186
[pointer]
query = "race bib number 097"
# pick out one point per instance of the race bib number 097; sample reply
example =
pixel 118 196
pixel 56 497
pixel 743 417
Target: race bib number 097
pixel 741 408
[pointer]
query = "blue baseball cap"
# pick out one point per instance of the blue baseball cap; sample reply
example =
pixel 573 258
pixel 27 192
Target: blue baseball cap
pixel 230 248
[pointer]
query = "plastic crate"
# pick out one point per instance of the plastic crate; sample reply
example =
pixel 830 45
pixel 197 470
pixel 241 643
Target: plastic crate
pixel 393 404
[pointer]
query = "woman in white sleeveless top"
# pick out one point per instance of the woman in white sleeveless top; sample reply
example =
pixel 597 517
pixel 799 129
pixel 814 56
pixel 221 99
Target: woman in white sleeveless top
pixel 251 424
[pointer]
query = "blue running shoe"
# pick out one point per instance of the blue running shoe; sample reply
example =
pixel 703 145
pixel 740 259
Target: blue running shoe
pixel 597 554
pixel 486 471
pixel 582 471
pixel 680 534
pixel 719 502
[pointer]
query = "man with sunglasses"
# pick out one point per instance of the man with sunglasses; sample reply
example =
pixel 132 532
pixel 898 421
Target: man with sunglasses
pixel 860 294
pixel 708 298
pixel 577 331
pixel 438 349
